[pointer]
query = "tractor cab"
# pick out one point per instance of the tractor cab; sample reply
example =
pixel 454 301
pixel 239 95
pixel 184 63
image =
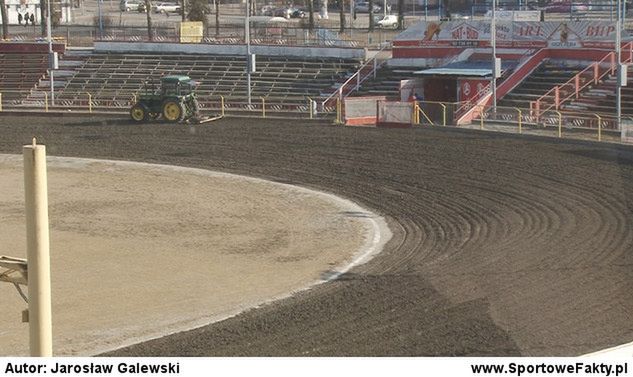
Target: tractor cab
pixel 177 85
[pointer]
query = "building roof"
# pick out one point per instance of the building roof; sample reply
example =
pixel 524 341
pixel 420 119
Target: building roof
pixel 447 71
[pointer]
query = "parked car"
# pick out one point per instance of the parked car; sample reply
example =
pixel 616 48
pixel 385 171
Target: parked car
pixel 128 5
pixel 390 21
pixel 566 7
pixel 165 8
pixel 296 13
pixel 459 16
pixel 363 7
pixel 267 10
pixel 280 12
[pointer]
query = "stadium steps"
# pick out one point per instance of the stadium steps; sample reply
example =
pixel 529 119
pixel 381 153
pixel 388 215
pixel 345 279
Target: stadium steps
pixel 19 74
pixel 386 83
pixel 546 77
pixel 602 98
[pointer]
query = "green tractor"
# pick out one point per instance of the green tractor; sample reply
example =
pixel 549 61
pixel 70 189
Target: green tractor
pixel 175 101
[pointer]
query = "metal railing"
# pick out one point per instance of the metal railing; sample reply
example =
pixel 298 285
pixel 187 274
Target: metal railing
pixel 367 70
pixel 558 121
pixel 40 101
pixel 554 98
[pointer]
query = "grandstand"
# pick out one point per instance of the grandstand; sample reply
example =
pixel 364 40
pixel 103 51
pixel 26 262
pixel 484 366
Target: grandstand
pixel 543 79
pixel 602 98
pixel 20 73
pixel 118 76
pixel 387 82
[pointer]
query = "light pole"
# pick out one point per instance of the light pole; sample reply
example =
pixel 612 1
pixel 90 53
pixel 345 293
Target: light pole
pixel 426 9
pixel 52 57
pixel 247 38
pixel 493 43
pixel 618 53
pixel 351 17
pixel 100 19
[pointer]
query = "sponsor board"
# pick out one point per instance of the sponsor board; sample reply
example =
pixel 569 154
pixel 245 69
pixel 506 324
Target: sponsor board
pixel 512 34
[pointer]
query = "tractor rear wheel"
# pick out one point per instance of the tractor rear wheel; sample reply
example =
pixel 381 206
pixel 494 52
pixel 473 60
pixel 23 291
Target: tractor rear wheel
pixel 173 111
pixel 139 113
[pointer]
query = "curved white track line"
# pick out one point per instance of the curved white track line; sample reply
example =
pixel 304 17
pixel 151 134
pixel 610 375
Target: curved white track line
pixel 376 235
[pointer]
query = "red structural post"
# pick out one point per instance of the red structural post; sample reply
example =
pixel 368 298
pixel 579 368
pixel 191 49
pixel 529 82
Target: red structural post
pixel 595 73
pixel 577 84
pixel 612 63
pixel 556 96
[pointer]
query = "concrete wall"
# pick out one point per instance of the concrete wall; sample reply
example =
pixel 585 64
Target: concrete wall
pixel 196 48
pixel 30 47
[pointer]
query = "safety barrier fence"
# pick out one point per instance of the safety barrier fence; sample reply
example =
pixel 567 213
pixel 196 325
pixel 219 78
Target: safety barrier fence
pixel 41 101
pixel 438 113
pixel 593 126
pixel 428 113
pixel 165 31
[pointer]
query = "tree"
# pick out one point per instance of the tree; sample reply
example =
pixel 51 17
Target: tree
pixel 371 15
pixel 400 14
pixel 311 15
pixel 342 14
pixel 148 10
pixel 43 18
pixel 446 9
pixel 5 21
pixel 198 10
pixel 324 4
pixel 217 18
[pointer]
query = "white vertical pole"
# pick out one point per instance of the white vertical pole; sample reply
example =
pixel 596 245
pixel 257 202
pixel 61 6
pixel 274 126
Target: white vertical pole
pixel 351 16
pixel 37 245
pixel 247 37
pixel 426 9
pixel 49 19
pixel 493 42
pixel 618 50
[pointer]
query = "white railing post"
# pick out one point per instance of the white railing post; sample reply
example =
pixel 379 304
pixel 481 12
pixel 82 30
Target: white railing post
pixel 375 68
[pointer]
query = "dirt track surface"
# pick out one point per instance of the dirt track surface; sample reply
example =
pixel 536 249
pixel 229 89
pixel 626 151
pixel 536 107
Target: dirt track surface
pixel 190 246
pixel 502 245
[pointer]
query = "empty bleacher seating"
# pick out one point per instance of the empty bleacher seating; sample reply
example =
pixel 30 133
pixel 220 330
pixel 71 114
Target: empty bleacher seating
pixel 387 82
pixel 601 98
pixel 544 78
pixel 20 72
pixel 117 77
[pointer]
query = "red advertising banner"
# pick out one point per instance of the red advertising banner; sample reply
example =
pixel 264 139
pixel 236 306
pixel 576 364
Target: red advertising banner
pixel 468 88
pixel 578 34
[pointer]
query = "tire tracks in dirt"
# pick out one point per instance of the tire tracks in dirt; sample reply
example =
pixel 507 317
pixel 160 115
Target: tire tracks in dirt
pixel 502 245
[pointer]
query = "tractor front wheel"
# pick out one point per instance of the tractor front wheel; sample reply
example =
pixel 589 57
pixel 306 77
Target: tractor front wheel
pixel 173 111
pixel 139 113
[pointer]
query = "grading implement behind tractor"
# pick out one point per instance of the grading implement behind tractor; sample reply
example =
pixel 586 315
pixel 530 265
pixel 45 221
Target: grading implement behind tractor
pixel 175 101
